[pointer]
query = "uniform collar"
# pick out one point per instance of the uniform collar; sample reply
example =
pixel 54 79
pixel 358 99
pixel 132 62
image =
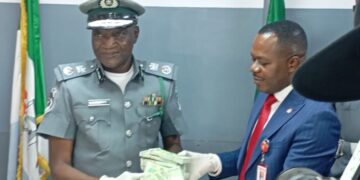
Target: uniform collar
pixel 138 69
pixel 100 74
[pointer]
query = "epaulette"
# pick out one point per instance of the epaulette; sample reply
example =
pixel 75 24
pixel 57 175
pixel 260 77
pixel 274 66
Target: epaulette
pixel 162 69
pixel 72 70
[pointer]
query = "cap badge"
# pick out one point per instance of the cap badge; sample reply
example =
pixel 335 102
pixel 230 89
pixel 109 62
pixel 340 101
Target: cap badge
pixel 109 3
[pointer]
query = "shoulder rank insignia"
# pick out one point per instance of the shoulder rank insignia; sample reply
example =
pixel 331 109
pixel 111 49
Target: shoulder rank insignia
pixel 153 100
pixel 72 70
pixel 166 70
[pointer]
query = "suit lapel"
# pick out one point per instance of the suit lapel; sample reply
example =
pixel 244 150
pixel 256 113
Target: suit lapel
pixel 251 122
pixel 255 114
pixel 287 109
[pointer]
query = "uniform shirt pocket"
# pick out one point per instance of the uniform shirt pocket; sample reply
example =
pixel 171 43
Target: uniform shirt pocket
pixel 149 125
pixel 94 125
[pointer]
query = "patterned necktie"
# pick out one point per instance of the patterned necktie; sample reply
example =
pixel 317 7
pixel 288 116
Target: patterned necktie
pixel 264 114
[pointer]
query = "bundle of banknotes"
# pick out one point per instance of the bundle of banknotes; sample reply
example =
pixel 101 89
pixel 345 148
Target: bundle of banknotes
pixel 159 164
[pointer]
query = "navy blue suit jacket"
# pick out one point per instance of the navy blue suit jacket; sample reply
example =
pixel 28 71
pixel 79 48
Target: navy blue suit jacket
pixel 302 133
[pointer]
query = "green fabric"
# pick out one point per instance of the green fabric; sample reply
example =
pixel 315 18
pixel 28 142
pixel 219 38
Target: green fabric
pixel 162 93
pixel 35 54
pixel 276 11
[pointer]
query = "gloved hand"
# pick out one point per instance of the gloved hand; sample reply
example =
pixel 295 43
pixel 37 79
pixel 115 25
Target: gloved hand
pixel 124 176
pixel 201 164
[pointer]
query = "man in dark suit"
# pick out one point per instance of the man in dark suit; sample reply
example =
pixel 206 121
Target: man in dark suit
pixel 285 130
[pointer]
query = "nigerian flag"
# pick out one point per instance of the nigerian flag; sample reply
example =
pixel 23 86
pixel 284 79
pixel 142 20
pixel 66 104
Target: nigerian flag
pixel 276 11
pixel 27 151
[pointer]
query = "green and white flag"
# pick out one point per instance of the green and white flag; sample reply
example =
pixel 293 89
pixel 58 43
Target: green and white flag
pixel 276 11
pixel 27 151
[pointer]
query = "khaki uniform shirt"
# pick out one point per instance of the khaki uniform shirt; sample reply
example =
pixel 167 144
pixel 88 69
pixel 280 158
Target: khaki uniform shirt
pixel 110 128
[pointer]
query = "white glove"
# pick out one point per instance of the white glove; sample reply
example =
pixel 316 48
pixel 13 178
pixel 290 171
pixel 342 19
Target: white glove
pixel 201 164
pixel 124 176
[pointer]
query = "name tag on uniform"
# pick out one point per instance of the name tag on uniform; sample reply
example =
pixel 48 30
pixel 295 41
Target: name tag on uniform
pixel 98 102
pixel 261 172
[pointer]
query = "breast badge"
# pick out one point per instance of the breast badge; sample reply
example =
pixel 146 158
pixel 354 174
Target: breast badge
pixel 153 100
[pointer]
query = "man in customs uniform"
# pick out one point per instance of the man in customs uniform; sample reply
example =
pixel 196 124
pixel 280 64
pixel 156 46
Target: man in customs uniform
pixel 103 112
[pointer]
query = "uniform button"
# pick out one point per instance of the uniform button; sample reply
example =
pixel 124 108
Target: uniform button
pixel 129 133
pixel 91 118
pixel 128 163
pixel 127 104
pixel 92 66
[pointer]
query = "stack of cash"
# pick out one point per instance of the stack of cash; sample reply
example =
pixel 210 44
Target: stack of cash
pixel 159 164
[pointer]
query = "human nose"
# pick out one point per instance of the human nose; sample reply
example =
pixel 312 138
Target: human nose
pixel 255 66
pixel 109 41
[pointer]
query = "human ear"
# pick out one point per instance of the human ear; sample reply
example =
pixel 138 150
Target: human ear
pixel 136 33
pixel 294 62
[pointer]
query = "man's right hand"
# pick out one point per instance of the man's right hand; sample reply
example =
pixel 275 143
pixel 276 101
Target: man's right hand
pixel 124 176
pixel 201 164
